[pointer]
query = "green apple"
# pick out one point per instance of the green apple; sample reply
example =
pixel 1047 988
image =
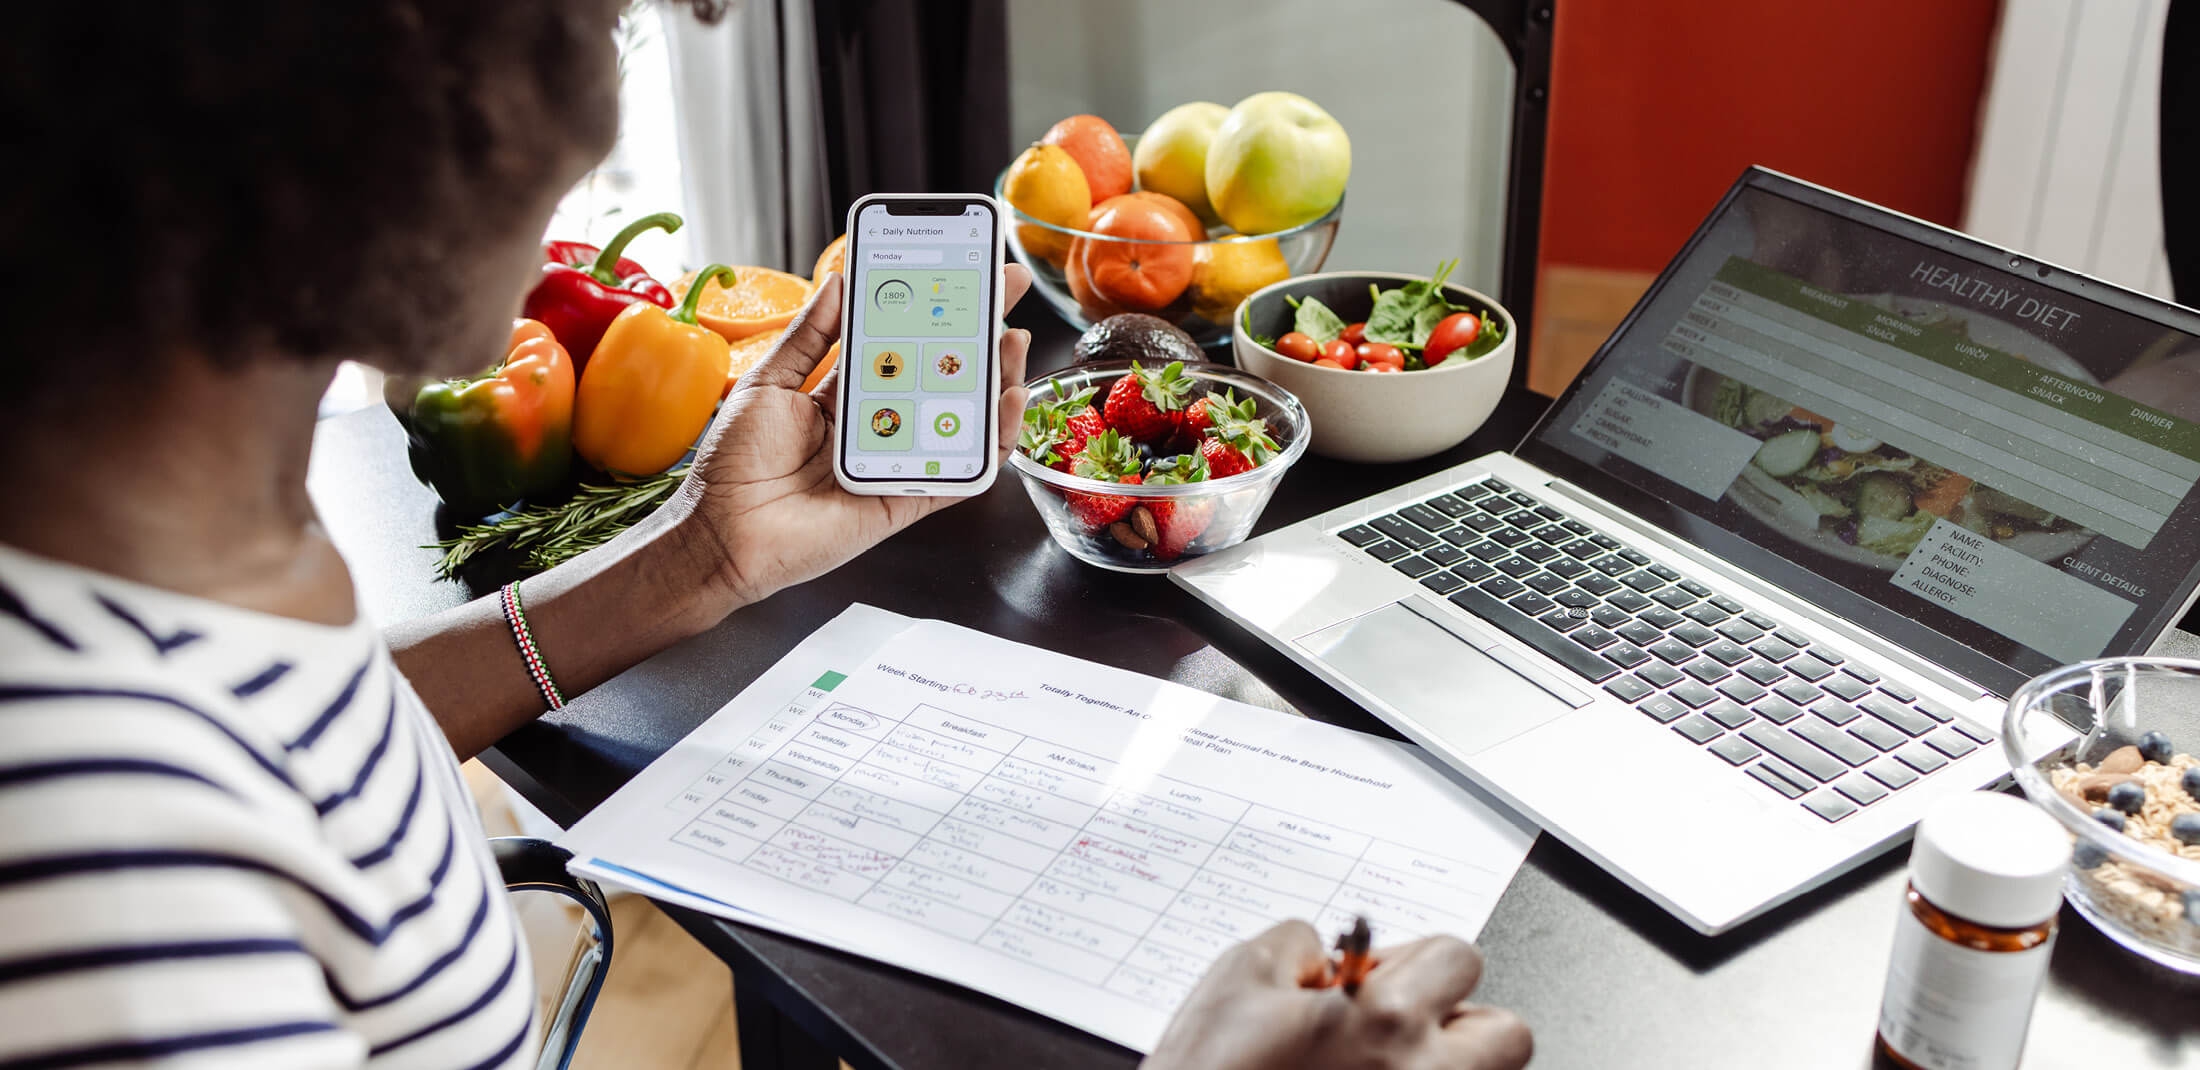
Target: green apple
pixel 1277 161
pixel 1171 156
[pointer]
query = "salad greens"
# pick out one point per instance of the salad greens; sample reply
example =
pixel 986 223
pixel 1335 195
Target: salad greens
pixel 1403 317
pixel 1315 320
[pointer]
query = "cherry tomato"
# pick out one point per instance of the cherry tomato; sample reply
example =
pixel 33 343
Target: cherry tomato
pixel 1390 368
pixel 1325 362
pixel 1298 346
pixel 1382 353
pixel 1342 352
pixel 1455 331
pixel 1355 333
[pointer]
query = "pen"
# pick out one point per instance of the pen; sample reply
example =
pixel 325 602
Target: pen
pixel 1353 960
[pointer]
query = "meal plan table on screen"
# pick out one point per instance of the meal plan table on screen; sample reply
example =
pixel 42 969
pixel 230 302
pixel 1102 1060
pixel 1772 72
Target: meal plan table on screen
pixel 1078 839
pixel 2020 426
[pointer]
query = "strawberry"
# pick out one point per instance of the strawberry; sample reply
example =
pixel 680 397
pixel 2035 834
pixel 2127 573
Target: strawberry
pixel 1083 426
pixel 1178 521
pixel 1238 442
pixel 1048 436
pixel 1223 459
pixel 1144 404
pixel 1109 457
pixel 1205 413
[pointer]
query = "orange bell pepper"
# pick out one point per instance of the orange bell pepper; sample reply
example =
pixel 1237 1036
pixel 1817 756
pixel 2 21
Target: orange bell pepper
pixel 498 437
pixel 651 386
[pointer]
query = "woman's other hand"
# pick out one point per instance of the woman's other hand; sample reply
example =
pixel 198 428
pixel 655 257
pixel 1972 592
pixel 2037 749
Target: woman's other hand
pixel 1256 1010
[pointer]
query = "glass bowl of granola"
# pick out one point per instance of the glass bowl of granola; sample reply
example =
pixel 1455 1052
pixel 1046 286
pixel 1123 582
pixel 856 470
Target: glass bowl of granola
pixel 2107 748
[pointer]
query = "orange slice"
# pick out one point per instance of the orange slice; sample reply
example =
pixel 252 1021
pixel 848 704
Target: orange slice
pixel 824 367
pixel 760 300
pixel 748 353
pixel 834 258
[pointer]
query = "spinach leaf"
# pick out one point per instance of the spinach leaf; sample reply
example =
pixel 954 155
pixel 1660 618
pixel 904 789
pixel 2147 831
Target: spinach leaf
pixel 1492 334
pixel 1404 317
pixel 1316 321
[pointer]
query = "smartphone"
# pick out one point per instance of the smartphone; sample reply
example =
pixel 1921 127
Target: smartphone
pixel 920 345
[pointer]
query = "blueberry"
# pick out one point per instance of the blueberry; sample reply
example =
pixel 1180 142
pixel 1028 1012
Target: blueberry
pixel 2112 818
pixel 2154 747
pixel 2186 827
pixel 2127 796
pixel 2088 856
pixel 2192 781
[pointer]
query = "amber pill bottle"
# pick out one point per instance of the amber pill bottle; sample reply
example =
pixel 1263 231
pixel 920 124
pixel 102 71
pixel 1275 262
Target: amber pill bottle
pixel 1972 940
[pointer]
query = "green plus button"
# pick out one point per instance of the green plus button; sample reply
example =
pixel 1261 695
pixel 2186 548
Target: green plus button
pixel 946 425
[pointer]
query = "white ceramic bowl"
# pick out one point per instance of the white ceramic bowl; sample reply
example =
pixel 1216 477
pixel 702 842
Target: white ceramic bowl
pixel 1371 417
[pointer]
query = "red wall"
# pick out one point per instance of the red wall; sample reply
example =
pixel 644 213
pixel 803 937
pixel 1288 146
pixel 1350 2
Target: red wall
pixel 1656 106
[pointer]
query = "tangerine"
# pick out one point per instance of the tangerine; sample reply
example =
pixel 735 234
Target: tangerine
pixel 1047 184
pixel 1099 152
pixel 1095 307
pixel 1148 270
pixel 760 300
pixel 1182 211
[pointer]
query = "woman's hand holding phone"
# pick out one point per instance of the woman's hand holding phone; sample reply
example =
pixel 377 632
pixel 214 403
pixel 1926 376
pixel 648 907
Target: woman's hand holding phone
pixel 762 495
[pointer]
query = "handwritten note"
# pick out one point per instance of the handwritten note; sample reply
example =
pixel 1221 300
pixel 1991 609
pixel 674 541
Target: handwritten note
pixel 1075 838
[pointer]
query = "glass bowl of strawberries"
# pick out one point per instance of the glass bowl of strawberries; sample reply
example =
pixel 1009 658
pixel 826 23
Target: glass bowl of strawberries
pixel 1136 466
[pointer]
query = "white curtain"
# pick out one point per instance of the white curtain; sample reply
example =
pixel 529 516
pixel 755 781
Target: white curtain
pixel 2068 163
pixel 752 156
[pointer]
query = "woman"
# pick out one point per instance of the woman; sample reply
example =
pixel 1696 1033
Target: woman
pixel 231 825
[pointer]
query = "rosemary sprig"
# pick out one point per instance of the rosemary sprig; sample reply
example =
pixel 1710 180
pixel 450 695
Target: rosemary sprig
pixel 548 535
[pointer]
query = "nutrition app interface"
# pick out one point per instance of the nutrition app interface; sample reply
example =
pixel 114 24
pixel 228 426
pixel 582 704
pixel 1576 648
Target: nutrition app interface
pixel 917 348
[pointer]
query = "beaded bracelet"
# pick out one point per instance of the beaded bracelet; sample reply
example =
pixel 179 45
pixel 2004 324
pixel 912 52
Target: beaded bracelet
pixel 517 618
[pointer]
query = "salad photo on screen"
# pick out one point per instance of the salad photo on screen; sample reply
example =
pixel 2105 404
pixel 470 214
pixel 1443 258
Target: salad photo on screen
pixel 1857 497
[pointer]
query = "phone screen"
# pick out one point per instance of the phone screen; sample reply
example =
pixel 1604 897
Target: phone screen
pixel 917 351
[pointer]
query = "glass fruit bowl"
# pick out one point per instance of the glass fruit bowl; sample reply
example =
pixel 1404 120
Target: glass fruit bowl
pixel 1200 517
pixel 2136 721
pixel 1196 285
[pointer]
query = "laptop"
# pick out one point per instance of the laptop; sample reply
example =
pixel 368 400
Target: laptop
pixel 1752 594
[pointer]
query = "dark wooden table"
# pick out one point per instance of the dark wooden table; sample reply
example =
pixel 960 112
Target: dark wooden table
pixel 1604 976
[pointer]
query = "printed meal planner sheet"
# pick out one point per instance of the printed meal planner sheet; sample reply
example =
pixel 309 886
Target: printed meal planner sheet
pixel 1077 839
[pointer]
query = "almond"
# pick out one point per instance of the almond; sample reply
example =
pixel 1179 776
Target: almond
pixel 2122 760
pixel 1142 522
pixel 1129 538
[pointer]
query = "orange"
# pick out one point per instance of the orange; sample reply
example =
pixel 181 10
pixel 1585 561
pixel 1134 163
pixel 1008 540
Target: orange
pixel 834 258
pixel 817 374
pixel 1182 211
pixel 748 353
pixel 1099 152
pixel 1138 275
pixel 1095 307
pixel 761 300
pixel 1046 184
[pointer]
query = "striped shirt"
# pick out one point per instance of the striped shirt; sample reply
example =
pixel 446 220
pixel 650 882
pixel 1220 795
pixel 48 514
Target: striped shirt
pixel 232 839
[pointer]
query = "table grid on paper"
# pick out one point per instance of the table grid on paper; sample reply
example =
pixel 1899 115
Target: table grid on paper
pixel 1032 850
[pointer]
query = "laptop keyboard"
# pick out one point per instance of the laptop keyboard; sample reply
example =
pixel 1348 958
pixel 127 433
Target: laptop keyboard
pixel 1799 717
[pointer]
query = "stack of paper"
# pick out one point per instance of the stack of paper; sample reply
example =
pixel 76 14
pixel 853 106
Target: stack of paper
pixel 1077 839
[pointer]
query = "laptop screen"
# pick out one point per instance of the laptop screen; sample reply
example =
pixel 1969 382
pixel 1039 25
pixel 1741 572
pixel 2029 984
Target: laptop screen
pixel 1936 439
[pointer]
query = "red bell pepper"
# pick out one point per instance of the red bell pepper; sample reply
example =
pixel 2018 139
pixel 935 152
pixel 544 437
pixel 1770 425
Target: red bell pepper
pixel 583 289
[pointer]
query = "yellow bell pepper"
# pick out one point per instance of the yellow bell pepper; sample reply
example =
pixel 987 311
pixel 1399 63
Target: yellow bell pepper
pixel 651 386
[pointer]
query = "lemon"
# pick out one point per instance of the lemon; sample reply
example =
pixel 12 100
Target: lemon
pixel 1229 271
pixel 1046 184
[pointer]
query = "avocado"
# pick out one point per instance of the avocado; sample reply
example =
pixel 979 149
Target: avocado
pixel 1136 336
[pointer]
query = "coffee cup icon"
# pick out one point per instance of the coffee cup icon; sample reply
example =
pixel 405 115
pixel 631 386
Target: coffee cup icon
pixel 889 365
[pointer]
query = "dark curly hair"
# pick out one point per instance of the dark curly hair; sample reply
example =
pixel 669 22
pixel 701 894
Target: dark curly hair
pixel 309 178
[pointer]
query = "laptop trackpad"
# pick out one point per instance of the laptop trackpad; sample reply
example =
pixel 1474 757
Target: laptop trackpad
pixel 1434 677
